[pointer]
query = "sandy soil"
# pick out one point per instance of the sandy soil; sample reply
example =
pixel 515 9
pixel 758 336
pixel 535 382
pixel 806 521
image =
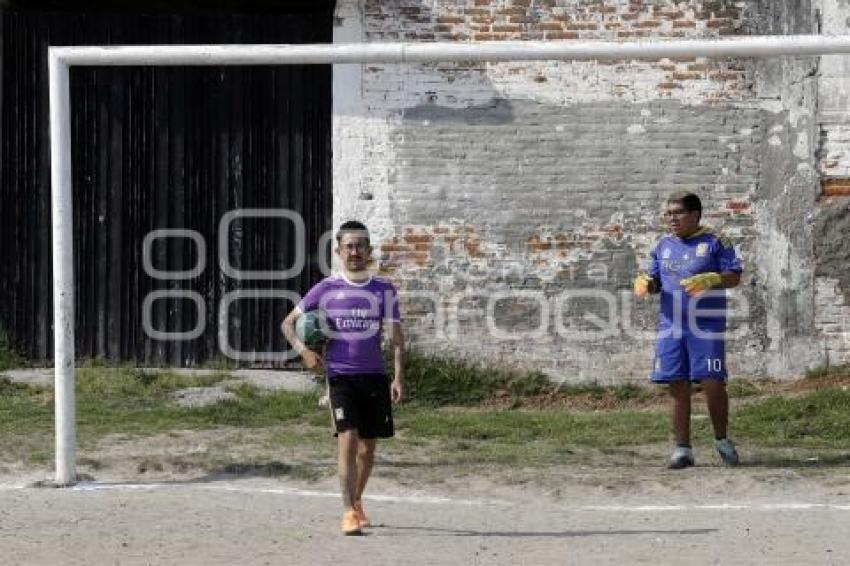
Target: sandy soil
pixel 565 514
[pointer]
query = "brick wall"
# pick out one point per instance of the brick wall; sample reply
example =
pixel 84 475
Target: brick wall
pixel 532 189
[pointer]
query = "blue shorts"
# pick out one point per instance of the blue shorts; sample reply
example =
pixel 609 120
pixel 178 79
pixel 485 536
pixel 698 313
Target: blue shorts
pixel 687 357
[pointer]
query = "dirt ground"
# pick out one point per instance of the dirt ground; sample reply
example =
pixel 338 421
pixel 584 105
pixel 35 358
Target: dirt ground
pixel 600 513
pixel 178 498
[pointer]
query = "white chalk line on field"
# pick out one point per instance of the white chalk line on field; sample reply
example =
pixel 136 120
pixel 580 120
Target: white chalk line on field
pixel 410 498
pixel 436 500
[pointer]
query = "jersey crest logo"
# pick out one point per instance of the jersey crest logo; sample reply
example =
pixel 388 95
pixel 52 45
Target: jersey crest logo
pixel 702 249
pixel 666 253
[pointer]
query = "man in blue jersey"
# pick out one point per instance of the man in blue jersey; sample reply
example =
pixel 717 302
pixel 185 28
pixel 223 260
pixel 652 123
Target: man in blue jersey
pixel 691 268
pixel 357 307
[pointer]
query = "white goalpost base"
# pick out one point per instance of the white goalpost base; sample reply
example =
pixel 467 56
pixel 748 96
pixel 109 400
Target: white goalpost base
pixel 60 59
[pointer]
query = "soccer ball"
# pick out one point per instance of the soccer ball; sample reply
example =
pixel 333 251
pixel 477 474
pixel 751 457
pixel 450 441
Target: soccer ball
pixel 311 328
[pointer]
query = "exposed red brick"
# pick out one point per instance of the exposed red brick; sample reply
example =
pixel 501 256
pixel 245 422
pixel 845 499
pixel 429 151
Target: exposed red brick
pixel 641 33
pixel 737 205
pixel 512 12
pixel 477 12
pixel 668 15
pixel 450 20
pixel 540 79
pixel 648 24
pixel 525 3
pixel 698 67
pixel 720 23
pixel 390 248
pixel 549 26
pixel 483 37
pixel 506 28
pixel 537 244
pixel 725 76
pixel 835 187
pixel 443 28
pixel 669 86
pixel 609 10
pixel 681 76
pixel 482 2
pixel 561 35
pixel 473 248
pixel 582 26
pixel 418 238
pixel 682 24
pixel 730 12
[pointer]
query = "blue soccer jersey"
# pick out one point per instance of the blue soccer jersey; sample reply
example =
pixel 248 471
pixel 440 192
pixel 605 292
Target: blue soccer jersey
pixel 690 329
pixel 674 259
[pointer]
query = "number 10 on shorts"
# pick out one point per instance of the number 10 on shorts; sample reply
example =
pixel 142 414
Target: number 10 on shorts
pixel 715 365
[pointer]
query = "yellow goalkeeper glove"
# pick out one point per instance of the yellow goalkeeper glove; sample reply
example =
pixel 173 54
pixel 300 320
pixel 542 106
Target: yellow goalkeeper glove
pixel 642 282
pixel 701 282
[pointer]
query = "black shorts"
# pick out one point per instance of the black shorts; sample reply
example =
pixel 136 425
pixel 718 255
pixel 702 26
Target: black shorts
pixel 363 402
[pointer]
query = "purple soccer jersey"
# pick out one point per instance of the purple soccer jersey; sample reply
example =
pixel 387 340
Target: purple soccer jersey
pixel 356 313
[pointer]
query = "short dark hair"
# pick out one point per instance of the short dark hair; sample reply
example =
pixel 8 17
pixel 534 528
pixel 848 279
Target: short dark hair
pixel 352 226
pixel 688 200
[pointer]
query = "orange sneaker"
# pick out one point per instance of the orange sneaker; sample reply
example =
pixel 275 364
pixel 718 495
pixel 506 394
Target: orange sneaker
pixel 350 523
pixel 361 514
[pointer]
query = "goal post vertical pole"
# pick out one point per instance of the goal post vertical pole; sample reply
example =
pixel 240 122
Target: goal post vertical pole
pixel 63 268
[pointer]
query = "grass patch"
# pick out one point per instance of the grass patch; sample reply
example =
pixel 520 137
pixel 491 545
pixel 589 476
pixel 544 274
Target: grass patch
pixel 441 426
pixel 740 389
pixel 820 419
pixel 26 423
pixel 137 401
pixel 518 426
pixel 434 381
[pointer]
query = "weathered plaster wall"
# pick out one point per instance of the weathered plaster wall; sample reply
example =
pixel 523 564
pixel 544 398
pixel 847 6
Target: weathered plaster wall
pixel 515 201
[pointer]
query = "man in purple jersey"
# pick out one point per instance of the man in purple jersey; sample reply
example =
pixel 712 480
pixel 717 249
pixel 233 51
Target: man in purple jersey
pixel 357 305
pixel 691 268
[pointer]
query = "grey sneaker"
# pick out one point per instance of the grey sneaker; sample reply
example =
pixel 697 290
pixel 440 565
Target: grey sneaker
pixel 726 449
pixel 682 457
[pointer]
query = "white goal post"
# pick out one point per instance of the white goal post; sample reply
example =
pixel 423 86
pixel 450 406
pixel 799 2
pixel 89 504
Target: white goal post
pixel 60 59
